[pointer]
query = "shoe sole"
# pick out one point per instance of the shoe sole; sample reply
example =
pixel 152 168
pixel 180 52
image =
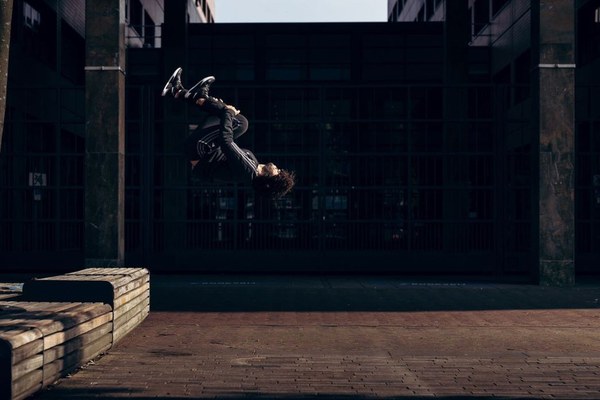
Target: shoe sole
pixel 199 84
pixel 169 83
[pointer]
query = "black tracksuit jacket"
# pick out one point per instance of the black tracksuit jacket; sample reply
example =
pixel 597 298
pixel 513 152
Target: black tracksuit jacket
pixel 220 158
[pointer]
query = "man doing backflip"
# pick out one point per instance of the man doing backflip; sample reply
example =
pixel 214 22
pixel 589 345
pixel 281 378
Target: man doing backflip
pixel 212 151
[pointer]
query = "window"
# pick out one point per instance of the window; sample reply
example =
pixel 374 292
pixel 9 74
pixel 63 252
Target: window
pixel 31 17
pixel 149 31
pixel 522 76
pixel 498 5
pixel 588 33
pixel 394 16
pixel 430 10
pixel 400 4
pixel 502 81
pixel 421 15
pixel 481 14
pixel 136 13
pixel 39 40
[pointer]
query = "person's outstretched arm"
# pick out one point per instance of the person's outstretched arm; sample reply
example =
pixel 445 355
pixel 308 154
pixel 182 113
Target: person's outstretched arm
pixel 240 162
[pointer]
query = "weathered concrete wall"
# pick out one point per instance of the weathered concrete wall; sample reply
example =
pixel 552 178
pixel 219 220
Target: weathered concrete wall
pixel 553 39
pixel 105 133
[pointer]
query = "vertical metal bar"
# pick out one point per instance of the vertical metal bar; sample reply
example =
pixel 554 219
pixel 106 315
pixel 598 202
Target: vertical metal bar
pixel 146 223
pixel 500 188
pixel 58 183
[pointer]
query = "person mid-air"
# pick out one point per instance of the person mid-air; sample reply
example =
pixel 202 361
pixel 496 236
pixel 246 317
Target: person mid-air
pixel 212 150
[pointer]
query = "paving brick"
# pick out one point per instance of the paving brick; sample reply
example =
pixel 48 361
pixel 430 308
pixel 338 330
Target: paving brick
pixel 204 342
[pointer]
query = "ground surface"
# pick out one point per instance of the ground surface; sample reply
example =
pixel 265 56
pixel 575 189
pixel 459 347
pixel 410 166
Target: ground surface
pixel 351 338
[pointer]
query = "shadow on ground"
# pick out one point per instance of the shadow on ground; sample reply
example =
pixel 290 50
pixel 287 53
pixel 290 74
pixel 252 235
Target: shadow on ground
pixel 118 394
pixel 286 293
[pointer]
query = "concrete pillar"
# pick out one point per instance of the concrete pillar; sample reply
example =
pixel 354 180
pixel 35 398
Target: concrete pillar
pixel 553 45
pixel 105 133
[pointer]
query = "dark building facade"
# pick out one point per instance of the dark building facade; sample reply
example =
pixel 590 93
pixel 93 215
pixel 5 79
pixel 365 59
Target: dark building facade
pixel 41 162
pixel 507 28
pixel 587 136
pixel 43 150
pixel 412 152
pixel 357 110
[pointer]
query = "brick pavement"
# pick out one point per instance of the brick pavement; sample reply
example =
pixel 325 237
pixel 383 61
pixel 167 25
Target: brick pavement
pixel 351 338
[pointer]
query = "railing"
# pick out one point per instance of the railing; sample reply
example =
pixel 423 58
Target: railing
pixel 373 183
pixel 370 179
pixel 149 36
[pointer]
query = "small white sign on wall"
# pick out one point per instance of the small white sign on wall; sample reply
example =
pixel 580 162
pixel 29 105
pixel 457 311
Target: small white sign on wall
pixel 37 180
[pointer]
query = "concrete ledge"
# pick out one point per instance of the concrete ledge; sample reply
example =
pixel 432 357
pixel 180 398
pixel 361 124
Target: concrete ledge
pixel 41 342
pixel 127 290
pixel 61 322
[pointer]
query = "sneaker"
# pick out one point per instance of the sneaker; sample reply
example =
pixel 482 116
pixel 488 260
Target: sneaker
pixel 174 83
pixel 201 87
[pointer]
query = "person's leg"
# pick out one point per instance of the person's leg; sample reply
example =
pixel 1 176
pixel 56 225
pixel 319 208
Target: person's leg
pixel 201 88
pixel 211 105
pixel 197 95
pixel 240 124
pixel 176 89
pixel 173 85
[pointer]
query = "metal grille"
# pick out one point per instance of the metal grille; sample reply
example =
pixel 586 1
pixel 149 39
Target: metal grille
pixel 387 178
pixel 41 179
pixel 371 185
pixel 587 183
pixel 375 182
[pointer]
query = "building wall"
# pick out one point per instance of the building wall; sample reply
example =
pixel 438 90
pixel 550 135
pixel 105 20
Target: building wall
pixel 41 182
pixel 41 163
pixel 205 11
pixel 313 93
pixel 357 111
pixel 145 19
pixel 508 33
pixel 73 13
pixel 415 10
pixel 587 136
pixel 503 25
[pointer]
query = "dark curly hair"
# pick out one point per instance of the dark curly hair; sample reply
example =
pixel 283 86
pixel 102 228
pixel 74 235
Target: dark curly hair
pixel 274 186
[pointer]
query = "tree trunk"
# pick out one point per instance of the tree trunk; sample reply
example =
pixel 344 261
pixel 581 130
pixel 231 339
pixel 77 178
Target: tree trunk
pixel 6 7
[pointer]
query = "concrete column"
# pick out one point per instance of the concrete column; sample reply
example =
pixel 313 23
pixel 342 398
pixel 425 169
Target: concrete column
pixel 105 133
pixel 553 45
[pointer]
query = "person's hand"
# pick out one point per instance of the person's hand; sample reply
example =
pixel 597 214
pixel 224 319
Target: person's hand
pixel 232 108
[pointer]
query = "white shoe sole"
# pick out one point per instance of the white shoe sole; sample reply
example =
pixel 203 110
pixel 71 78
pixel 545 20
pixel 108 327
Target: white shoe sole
pixel 169 83
pixel 201 83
